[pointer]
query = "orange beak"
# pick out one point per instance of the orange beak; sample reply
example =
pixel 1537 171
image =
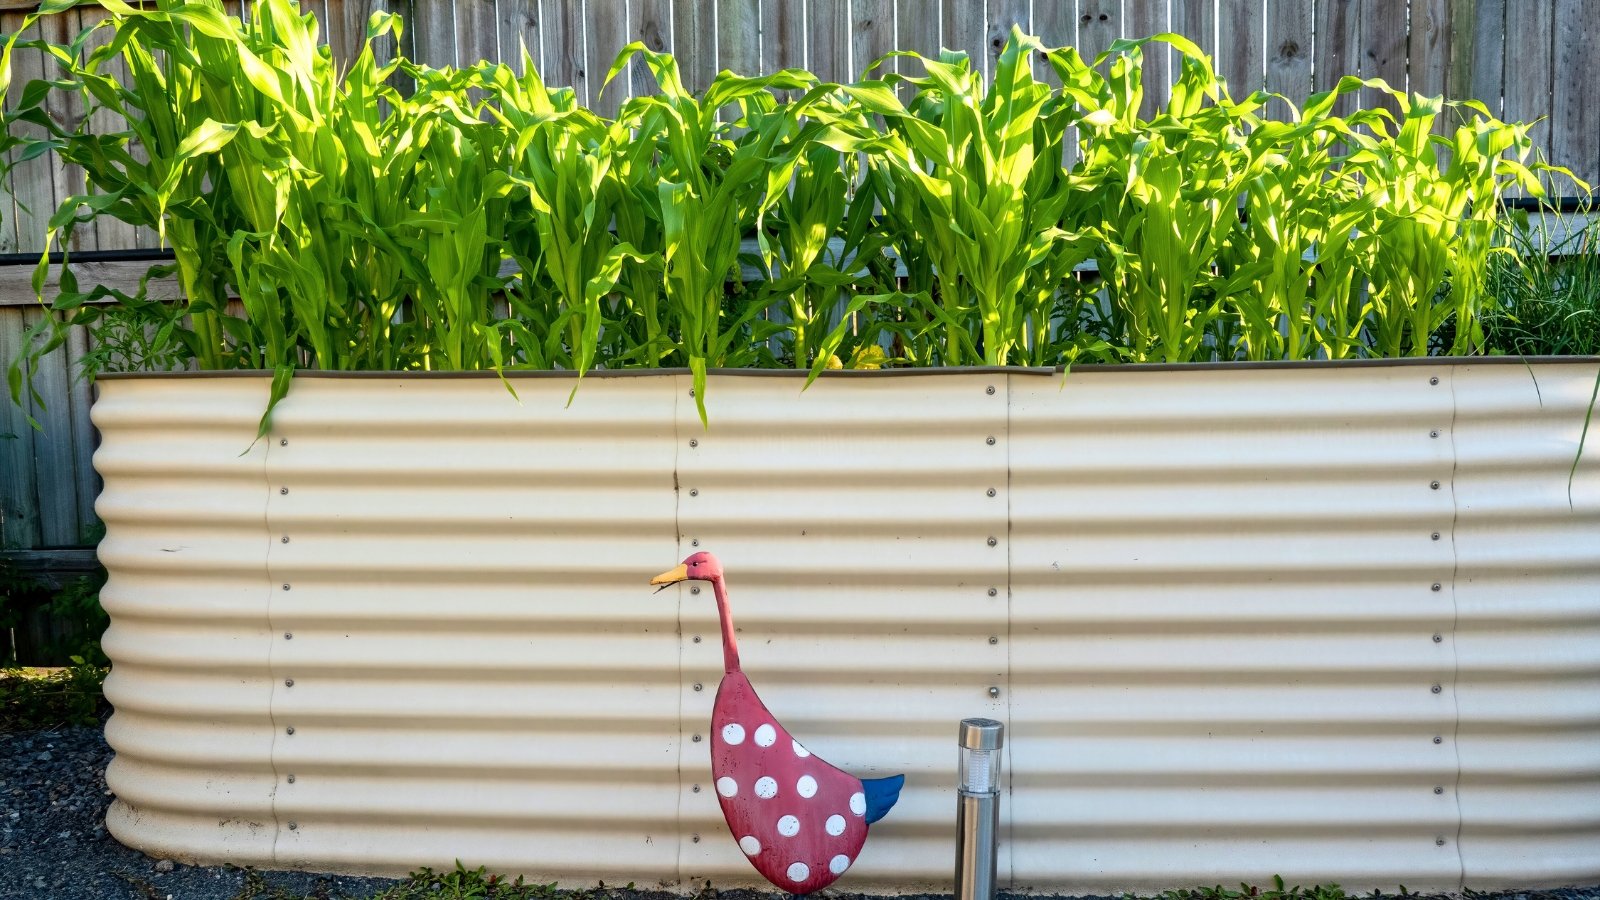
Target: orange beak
pixel 672 576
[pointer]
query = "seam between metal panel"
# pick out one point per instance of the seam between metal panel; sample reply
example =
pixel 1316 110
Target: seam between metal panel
pixel 1009 812
pixel 1455 623
pixel 272 647
pixel 677 539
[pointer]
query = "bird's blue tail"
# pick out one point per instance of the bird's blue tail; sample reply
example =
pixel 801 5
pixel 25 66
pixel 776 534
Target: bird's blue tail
pixel 881 795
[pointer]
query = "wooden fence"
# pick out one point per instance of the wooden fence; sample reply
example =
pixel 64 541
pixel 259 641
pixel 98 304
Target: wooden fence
pixel 1526 59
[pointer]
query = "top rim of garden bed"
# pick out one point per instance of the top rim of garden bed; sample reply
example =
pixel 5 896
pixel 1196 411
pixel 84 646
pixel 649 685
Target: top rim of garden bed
pixel 1234 365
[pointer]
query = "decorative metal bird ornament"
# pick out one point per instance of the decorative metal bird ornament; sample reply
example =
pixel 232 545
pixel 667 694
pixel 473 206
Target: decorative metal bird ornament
pixel 800 820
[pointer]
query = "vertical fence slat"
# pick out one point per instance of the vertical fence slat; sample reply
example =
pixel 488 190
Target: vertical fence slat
pixel 783 35
pixel 1575 119
pixel 1099 23
pixel 649 21
pixel 1002 15
pixel 1241 51
pixel 55 482
pixel 1478 52
pixel 605 34
pixel 1147 17
pixel 964 29
pixel 1529 33
pixel 521 29
pixel 1337 26
pixel 828 39
pixel 433 31
pixel 477 29
pixel 19 507
pixel 1197 21
pixel 1383 49
pixel 562 34
pixel 694 34
pixel 80 396
pixel 1289 46
pixel 31 182
pixel 871 32
pixel 110 234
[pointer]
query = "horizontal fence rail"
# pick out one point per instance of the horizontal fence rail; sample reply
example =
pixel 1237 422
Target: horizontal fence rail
pixel 1338 623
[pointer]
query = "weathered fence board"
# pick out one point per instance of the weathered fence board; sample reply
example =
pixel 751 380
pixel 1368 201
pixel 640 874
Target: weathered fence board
pixel 1537 60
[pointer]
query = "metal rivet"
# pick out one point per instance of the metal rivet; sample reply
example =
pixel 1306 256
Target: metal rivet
pixel 283 442
pixel 989 389
pixel 286 586
pixel 293 826
pixel 697 739
pixel 1438 740
pixel 691 392
pixel 697 639
pixel 290 779
pixel 1437 587
pixel 694 590
pixel 994 692
pixel 1438 639
pixel 284 539
pixel 288 682
pixel 289 730
pixel 283 490
pixel 288 635
pixel 697 686
pixel 695 838
pixel 696 789
pixel 1439 841
pixel 993 541
pixel 1436 535
pixel 989 440
pixel 994 592
pixel 1433 380
pixel 991 492
pixel 693 492
pixel 1437 689
pixel 695 542
pixel 1434 485
pixel 1433 434
pixel 993 640
pixel 693 442
pixel 1438 789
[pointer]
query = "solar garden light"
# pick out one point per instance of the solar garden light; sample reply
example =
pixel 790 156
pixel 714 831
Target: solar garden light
pixel 978 808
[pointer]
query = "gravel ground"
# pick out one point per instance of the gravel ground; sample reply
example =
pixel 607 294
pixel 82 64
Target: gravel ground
pixel 54 845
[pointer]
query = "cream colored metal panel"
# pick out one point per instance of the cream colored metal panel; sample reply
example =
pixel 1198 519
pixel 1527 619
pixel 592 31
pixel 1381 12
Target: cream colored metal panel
pixel 1212 629
pixel 1220 620
pixel 1527 637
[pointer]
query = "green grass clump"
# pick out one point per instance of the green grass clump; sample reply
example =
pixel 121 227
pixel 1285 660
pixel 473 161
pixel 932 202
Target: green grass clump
pixel 1545 296
pixel 31 699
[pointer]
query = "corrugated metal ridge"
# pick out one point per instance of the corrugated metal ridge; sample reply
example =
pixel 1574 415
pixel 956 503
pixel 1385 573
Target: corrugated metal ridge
pixel 1235 365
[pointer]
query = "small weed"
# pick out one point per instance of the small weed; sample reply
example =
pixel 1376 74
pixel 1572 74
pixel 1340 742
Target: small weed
pixel 46 698
pixel 1252 892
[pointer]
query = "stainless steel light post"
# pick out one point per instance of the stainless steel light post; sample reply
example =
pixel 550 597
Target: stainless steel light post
pixel 978 809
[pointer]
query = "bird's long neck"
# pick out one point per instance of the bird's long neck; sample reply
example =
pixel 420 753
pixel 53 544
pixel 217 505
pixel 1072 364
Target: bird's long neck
pixel 730 647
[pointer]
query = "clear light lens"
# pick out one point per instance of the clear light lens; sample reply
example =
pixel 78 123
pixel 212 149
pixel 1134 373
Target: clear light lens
pixel 980 770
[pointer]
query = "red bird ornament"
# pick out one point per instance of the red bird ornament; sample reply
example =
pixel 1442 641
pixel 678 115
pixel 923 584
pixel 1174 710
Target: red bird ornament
pixel 799 820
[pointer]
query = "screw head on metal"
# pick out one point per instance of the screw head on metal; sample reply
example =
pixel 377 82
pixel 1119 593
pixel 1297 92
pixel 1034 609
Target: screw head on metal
pixel 693 442
pixel 991 492
pixel 697 639
pixel 695 838
pixel 1439 841
pixel 695 542
pixel 289 730
pixel 994 592
pixel 288 635
pixel 1437 739
pixel 288 682
pixel 696 789
pixel 694 492
pixel 1436 535
pixel 1433 380
pixel 993 639
pixel 691 392
pixel 694 590
pixel 1437 689
pixel 989 389
pixel 283 442
pixel 1437 587
pixel 283 490
pixel 293 826
pixel 1433 434
pixel 1438 638
pixel 994 692
pixel 1434 485
pixel 289 778
pixel 696 739
pixel 286 586
pixel 993 541
pixel 989 440
pixel 1438 789
pixel 698 686
pixel 284 539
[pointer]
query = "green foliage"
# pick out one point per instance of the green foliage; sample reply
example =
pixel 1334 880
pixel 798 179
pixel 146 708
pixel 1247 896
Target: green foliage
pixel 1276 892
pixel 1545 294
pixel 31 699
pixel 476 218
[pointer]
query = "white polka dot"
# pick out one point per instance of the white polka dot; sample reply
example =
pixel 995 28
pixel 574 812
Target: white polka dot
pixel 766 736
pixel 788 826
pixel 800 751
pixel 806 786
pixel 838 864
pixel 799 872
pixel 733 733
pixel 766 787
pixel 858 803
pixel 835 825
pixel 749 845
pixel 727 787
